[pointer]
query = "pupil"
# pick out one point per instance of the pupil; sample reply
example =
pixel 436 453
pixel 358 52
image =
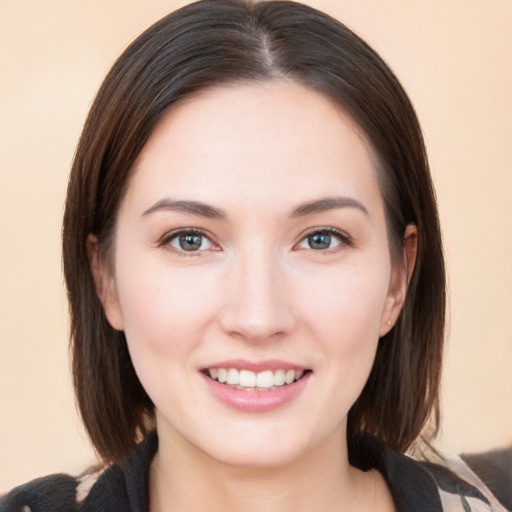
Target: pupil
pixel 190 242
pixel 319 241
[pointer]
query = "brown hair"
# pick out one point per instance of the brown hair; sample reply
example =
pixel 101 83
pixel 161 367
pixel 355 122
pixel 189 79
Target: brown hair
pixel 220 41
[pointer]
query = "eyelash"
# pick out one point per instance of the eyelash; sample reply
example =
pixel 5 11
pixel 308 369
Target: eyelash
pixel 345 240
pixel 166 240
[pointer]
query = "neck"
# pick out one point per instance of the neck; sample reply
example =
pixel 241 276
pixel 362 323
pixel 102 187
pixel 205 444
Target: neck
pixel 189 480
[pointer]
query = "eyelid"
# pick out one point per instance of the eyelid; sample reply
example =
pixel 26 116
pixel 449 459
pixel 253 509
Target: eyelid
pixel 345 239
pixel 165 240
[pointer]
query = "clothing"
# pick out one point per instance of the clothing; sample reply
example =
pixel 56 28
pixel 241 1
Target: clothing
pixel 123 487
pixel 494 468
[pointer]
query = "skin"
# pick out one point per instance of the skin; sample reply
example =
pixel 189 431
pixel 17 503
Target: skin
pixel 256 289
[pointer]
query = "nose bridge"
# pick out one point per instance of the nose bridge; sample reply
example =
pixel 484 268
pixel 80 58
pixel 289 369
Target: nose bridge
pixel 258 306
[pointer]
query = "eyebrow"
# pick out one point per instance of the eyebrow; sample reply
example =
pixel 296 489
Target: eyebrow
pixel 191 207
pixel 327 203
pixel 210 212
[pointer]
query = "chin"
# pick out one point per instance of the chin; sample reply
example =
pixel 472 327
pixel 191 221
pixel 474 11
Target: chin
pixel 257 457
pixel 262 447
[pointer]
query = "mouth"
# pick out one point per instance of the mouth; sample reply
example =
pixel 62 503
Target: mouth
pixel 266 380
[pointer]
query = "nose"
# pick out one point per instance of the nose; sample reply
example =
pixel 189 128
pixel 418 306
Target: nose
pixel 259 302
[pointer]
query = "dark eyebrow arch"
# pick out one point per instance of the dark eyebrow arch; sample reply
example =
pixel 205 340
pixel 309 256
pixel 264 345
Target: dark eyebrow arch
pixel 190 207
pixel 327 203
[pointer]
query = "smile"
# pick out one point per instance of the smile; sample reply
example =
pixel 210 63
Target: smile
pixel 266 380
pixel 255 387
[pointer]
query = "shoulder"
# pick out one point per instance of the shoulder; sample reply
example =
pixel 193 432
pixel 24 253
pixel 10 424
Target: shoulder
pixel 122 486
pixel 442 484
pixel 95 490
pixel 494 468
pixel 478 482
pixel 54 492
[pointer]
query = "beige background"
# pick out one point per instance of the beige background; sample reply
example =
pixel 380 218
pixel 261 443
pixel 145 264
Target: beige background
pixel 455 59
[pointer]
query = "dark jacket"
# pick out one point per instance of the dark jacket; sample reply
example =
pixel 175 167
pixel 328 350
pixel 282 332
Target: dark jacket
pixel 123 487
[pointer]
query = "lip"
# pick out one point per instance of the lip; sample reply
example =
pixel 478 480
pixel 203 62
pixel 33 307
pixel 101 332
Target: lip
pixel 256 366
pixel 249 400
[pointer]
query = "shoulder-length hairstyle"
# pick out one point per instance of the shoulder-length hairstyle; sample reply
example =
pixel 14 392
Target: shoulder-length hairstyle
pixel 213 42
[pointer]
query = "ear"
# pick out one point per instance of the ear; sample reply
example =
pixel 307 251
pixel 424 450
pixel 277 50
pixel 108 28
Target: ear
pixel 400 278
pixel 105 285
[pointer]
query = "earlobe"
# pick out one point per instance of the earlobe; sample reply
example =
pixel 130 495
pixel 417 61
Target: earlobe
pixel 104 283
pixel 400 279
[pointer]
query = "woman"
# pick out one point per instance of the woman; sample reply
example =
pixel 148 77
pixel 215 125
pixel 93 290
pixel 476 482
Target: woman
pixel 255 275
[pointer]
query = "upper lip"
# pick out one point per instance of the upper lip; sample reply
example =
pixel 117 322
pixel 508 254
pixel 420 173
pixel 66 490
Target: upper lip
pixel 256 366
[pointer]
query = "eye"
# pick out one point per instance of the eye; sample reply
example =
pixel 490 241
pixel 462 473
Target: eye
pixel 189 241
pixel 324 240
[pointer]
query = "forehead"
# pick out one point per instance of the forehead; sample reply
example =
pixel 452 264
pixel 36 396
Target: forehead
pixel 255 142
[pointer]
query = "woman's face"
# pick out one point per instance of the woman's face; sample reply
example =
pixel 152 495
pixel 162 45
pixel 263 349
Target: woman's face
pixel 251 246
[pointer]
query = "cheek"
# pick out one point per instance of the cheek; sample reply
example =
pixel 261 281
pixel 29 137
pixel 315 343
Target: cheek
pixel 165 316
pixel 345 306
pixel 352 317
pixel 164 310
pixel 343 312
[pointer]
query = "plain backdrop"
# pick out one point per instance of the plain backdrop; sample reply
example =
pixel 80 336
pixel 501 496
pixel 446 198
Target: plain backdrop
pixel 454 58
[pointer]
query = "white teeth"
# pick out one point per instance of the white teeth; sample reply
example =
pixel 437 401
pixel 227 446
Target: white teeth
pixel 279 378
pixel 232 377
pixel 265 379
pixel 223 375
pixel 289 376
pixel 247 379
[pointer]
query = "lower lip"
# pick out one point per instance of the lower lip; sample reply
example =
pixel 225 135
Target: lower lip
pixel 253 400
